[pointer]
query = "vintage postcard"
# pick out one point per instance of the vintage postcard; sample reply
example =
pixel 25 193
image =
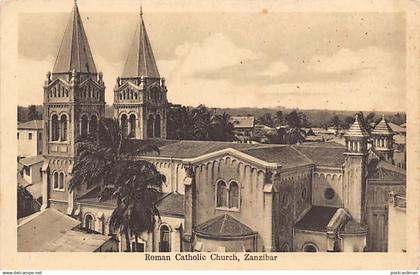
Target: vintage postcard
pixel 209 135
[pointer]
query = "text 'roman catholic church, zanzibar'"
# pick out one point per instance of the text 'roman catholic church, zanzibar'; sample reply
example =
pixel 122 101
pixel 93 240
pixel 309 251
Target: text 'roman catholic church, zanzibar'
pixel 219 196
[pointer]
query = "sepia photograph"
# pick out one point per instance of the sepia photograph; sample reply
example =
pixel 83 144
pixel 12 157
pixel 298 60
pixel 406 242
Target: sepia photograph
pixel 211 135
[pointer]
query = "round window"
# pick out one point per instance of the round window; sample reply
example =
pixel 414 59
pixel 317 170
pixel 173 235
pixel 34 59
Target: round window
pixel 285 200
pixel 329 193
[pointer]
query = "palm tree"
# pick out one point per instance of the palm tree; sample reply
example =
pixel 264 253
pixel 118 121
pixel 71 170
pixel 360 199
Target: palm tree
pixel 221 129
pixel 105 160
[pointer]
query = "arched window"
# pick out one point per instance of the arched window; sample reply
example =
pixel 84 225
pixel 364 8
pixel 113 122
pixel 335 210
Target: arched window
pixel 233 195
pixel 55 92
pixel 222 195
pixel 63 123
pixel 309 247
pixel 55 128
pixel 131 94
pixel 150 123
pixel 135 95
pixel 55 180
pixel 67 93
pixel 93 124
pixel 132 125
pixel 84 126
pixel 61 181
pixel 89 223
pixel 157 126
pixel 164 240
pixel 124 124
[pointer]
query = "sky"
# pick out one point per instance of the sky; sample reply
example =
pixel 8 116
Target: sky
pixel 341 61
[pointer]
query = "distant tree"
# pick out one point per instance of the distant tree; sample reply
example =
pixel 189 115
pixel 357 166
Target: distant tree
pixel 221 129
pixel 293 119
pixel 335 122
pixel 33 114
pixel 295 134
pixel 304 120
pixel 179 124
pixel 279 118
pixel 266 120
pixel 348 121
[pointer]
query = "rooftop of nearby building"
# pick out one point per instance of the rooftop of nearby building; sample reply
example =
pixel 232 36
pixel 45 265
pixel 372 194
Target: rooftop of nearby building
pixel 242 121
pixel 53 231
pixel 317 218
pixel 30 125
pixel 319 153
pixel 29 161
pixel 171 204
pixel 383 170
pixel 223 226
pixel 397 128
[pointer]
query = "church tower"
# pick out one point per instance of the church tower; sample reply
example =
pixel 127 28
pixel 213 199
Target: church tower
pixel 382 137
pixel 140 102
pixel 354 179
pixel 74 101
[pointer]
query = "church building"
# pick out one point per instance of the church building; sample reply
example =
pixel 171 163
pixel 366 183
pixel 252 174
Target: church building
pixel 219 196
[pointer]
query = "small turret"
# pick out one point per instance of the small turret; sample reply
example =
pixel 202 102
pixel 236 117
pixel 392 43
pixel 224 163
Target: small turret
pixel 356 138
pixel 382 136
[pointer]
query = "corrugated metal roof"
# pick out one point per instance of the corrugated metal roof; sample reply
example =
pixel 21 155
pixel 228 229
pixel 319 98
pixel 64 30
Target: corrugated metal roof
pixel 74 52
pixel 242 121
pixel 140 60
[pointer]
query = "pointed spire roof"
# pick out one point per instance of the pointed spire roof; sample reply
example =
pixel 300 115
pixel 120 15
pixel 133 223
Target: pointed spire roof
pixel 382 128
pixel 74 52
pixel 357 129
pixel 140 61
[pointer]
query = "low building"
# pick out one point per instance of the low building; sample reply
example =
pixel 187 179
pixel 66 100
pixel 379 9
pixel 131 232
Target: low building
pixel 243 126
pixel 397 223
pixel 30 169
pixel 53 231
pixel 29 136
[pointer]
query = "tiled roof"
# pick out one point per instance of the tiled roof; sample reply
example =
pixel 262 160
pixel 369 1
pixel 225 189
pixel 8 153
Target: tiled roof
pixel 223 226
pixel 91 197
pixel 383 170
pixel 140 60
pixel 171 204
pixel 74 52
pixel 28 161
pixel 285 155
pixel 323 154
pixel 382 128
pixel 317 218
pixel 242 121
pixel 31 125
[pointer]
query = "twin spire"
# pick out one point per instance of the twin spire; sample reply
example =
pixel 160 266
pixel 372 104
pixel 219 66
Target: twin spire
pixel 75 53
pixel 140 60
